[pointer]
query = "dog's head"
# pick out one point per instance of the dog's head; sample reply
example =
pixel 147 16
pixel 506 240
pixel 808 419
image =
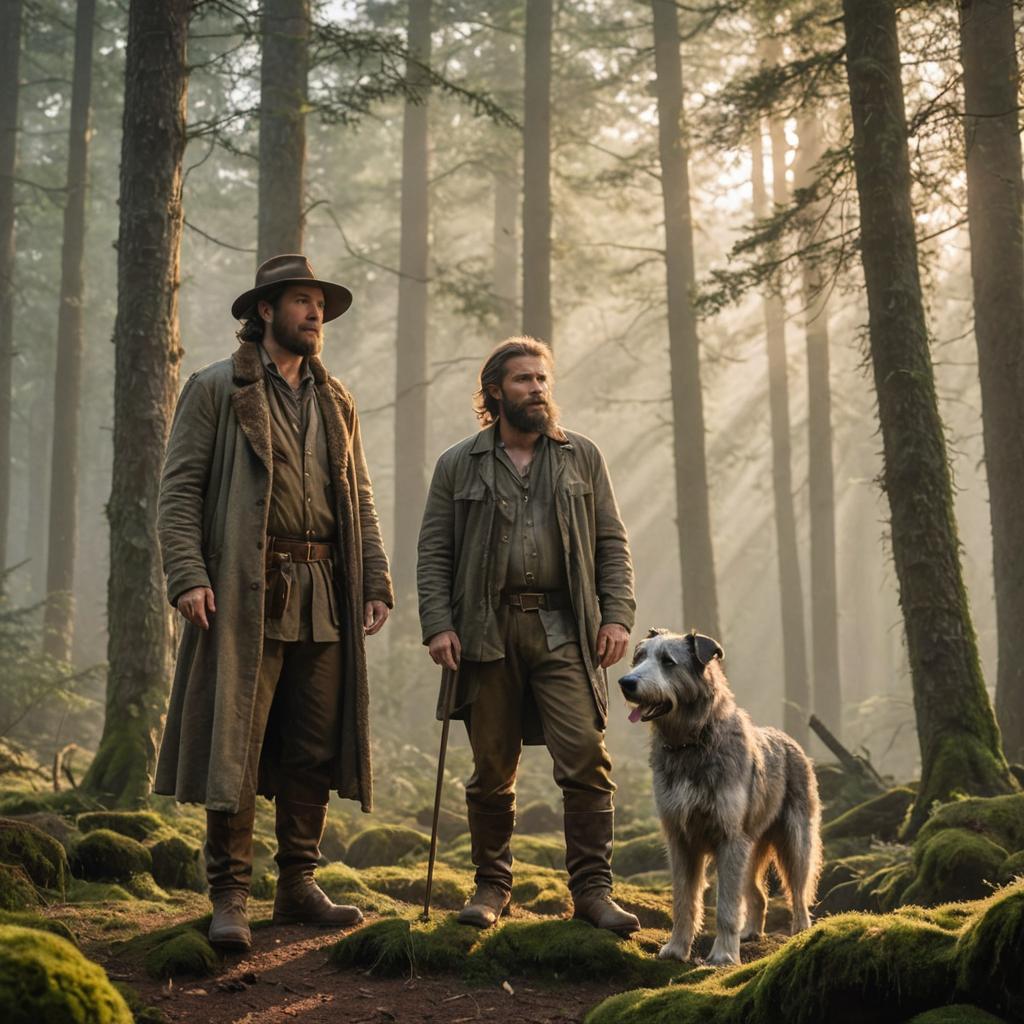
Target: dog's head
pixel 669 671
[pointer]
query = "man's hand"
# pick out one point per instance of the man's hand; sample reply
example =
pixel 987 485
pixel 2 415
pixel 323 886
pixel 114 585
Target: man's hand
pixel 375 614
pixel 612 640
pixel 445 649
pixel 197 605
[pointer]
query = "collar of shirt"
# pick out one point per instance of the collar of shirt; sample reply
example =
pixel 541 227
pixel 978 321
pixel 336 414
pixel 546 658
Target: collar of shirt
pixel 305 373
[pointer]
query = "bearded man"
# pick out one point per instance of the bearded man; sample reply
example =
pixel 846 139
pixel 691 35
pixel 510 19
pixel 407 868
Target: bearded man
pixel 526 590
pixel 273 555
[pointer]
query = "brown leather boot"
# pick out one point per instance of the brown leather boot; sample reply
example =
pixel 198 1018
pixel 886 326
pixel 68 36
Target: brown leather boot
pixel 588 857
pixel 490 834
pixel 228 855
pixel 299 900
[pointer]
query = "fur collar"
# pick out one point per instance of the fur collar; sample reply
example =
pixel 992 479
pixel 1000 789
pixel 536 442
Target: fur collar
pixel 248 367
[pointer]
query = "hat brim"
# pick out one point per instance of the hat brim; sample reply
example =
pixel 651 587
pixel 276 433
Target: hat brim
pixel 337 298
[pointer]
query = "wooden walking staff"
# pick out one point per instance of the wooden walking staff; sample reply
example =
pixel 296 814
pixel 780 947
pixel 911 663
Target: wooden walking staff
pixel 448 681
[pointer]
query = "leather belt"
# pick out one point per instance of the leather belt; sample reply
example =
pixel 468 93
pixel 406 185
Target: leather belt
pixel 549 600
pixel 298 550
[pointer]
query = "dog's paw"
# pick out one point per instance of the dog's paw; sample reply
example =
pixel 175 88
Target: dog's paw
pixel 722 958
pixel 672 951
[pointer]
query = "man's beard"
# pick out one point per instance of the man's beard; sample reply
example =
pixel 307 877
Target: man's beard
pixel 530 416
pixel 302 343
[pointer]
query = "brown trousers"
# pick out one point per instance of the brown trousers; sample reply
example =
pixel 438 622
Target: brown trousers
pixel 558 683
pixel 295 721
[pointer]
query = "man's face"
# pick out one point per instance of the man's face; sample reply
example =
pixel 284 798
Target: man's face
pixel 525 395
pixel 297 319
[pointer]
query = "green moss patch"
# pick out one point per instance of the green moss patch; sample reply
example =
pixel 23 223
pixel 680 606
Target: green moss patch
pixel 999 818
pixel 53 825
pixel 45 978
pixel 957 1013
pixel 69 803
pixel 81 891
pixel 180 950
pixel 16 889
pixel 40 856
pixel 333 843
pixel 652 907
pixel 449 890
pixel 644 853
pixel 137 825
pixel 387 844
pixel 344 885
pixel 544 851
pixel 549 949
pixel 40 923
pixel 106 856
pixel 991 953
pixel 143 887
pixel 954 864
pixel 178 863
pixel 264 886
pixel 541 890
pixel 880 817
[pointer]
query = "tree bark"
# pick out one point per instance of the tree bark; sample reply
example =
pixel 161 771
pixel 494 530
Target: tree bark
pixel 146 362
pixel 411 354
pixel 283 73
pixel 537 319
pixel 10 54
pixel 693 516
pixel 504 279
pixel 58 624
pixel 796 689
pixel 956 727
pixel 994 203
pixel 826 689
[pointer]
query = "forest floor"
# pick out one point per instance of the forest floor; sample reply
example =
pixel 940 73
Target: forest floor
pixel 286 978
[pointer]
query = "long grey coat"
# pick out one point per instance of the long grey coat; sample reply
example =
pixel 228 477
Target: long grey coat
pixel 214 502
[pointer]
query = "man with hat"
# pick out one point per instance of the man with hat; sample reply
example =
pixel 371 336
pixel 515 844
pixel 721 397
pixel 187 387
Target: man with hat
pixel 273 555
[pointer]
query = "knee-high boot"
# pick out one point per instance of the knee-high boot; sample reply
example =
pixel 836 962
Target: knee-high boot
pixel 490 835
pixel 588 858
pixel 228 855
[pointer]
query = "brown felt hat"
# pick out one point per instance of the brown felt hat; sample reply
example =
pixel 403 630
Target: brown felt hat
pixel 291 268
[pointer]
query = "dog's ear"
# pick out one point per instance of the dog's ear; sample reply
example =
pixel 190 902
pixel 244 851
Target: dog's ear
pixel 656 631
pixel 705 648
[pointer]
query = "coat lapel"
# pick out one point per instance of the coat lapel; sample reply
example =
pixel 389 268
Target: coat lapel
pixel 335 409
pixel 252 409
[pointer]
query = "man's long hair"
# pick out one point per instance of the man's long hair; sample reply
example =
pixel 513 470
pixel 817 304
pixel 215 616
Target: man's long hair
pixel 253 324
pixel 485 405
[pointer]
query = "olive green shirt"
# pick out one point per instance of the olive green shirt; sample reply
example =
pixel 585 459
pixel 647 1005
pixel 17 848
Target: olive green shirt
pixel 301 505
pixel 529 536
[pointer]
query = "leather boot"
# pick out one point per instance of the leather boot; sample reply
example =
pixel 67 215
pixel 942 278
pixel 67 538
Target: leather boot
pixel 588 857
pixel 228 855
pixel 299 900
pixel 490 834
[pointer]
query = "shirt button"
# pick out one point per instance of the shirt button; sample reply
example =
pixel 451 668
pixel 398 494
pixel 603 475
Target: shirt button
pixel 254 586
pixel 504 538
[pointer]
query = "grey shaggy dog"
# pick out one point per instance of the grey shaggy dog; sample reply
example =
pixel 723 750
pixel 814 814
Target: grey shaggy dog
pixel 724 787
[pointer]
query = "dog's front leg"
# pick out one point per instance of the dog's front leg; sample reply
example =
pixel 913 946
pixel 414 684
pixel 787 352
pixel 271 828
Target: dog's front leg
pixel 687 867
pixel 731 860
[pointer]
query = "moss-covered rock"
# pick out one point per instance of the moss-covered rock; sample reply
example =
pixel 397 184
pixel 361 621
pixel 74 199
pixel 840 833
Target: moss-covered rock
pixel 840 790
pixel 957 1013
pixel 44 978
pixel 538 817
pixel 106 856
pixel 40 923
pixel 954 864
pixel 991 954
pixel 333 843
pixel 137 825
pixel 16 889
pixel 143 887
pixel 81 891
pixel 41 856
pixel 69 802
pixel 178 863
pixel 644 853
pixel 873 881
pixel 541 890
pixel 387 844
pixel 186 954
pixel 142 1012
pixel 878 818
pixel 998 818
pixel 450 824
pixel 652 908
pixel 344 885
pixel 449 890
pixel 633 829
pixel 1012 868
pixel 53 825
pixel 398 947
pixel 544 851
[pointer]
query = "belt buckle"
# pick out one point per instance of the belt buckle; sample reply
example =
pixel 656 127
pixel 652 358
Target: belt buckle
pixel 530 602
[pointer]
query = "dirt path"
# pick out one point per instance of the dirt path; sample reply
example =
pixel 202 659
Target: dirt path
pixel 286 978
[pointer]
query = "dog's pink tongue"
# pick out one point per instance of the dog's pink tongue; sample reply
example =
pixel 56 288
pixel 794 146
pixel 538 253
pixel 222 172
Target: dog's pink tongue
pixel 634 715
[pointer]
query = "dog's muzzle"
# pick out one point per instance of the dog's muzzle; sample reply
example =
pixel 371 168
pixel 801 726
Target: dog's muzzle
pixel 629 686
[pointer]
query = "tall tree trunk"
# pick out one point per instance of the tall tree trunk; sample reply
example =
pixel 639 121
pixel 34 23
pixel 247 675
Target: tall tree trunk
pixel 504 274
pixel 956 727
pixel 411 354
pixel 796 689
pixel 693 516
pixel 994 203
pixel 10 54
pixel 67 398
pixel 537 320
pixel 38 482
pixel 283 74
pixel 147 356
pixel 827 693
